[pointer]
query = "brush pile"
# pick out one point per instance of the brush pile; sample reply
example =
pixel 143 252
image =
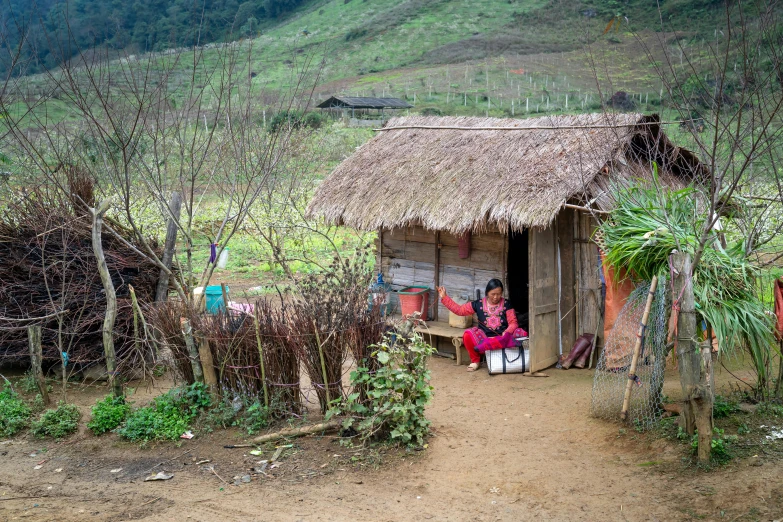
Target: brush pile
pixel 49 277
pixel 320 326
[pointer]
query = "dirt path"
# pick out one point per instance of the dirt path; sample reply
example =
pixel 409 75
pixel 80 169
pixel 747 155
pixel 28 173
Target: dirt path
pixel 505 448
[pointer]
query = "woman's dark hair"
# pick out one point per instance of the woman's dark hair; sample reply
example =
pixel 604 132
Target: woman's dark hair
pixel 493 283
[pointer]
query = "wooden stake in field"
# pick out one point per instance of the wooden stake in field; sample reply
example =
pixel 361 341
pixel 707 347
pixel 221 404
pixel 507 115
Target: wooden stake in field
pixel 637 350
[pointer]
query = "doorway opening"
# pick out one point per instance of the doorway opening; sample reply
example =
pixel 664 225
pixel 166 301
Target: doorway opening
pixel 517 277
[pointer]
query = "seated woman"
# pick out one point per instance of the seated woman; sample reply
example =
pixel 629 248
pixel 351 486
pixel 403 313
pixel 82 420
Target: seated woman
pixel 495 317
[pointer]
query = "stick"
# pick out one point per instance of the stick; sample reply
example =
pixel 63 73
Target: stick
pixel 298 432
pixel 323 362
pixel 212 469
pixel 34 341
pixel 637 349
pixel 261 357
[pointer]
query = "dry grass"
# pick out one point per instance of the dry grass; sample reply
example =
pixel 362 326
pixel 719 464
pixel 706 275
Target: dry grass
pixel 458 180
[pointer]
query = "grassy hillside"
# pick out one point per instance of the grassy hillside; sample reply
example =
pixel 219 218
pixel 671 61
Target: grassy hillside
pixel 496 57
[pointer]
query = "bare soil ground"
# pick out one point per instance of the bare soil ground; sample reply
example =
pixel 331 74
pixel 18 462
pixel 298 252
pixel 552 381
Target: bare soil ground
pixel 504 448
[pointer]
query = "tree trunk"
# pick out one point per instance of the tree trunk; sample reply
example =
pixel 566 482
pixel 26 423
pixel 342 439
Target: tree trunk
pixel 36 357
pixel 111 297
pixel 175 207
pixel 195 360
pixel 695 360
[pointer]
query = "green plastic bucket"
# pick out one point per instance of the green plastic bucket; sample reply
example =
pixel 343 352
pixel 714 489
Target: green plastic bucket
pixel 214 297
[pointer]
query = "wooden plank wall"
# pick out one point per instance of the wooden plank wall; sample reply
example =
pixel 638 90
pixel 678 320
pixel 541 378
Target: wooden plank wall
pixel 588 278
pixel 408 258
pixel 568 277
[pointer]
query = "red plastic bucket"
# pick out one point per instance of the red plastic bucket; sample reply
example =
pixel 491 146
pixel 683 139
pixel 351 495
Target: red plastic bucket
pixel 414 299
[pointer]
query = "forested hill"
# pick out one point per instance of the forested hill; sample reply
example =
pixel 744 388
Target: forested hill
pixel 131 25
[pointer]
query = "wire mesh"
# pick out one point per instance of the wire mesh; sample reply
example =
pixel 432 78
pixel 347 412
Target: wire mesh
pixel 611 374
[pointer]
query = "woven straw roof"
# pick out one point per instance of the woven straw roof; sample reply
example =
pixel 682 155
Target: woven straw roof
pixel 458 179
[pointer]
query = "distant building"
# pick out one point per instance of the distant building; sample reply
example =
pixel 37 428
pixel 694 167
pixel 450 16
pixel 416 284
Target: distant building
pixel 372 109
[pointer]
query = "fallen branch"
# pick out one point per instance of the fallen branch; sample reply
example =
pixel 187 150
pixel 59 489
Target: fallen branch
pixel 298 432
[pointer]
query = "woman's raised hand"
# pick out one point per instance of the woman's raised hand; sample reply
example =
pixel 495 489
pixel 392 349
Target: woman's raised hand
pixel 441 291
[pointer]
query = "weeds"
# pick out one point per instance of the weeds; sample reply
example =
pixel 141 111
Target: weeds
pixel 14 413
pixel 169 415
pixel 723 407
pixel 58 423
pixel 108 414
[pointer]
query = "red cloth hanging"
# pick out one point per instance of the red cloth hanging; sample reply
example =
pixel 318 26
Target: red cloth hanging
pixel 779 308
pixel 464 245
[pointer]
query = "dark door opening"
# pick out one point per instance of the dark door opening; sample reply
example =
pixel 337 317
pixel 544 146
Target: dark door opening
pixel 517 277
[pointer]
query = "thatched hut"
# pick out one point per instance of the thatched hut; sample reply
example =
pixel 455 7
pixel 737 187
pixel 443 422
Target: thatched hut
pixel 526 191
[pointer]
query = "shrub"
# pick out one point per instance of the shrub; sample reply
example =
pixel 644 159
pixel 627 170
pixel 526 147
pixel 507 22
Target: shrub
pixel 169 415
pixel 108 414
pixel 396 393
pixel 14 413
pixel 314 120
pixel 57 423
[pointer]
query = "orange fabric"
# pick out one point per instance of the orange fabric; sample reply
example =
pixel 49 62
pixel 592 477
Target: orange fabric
pixel 618 288
pixel 779 309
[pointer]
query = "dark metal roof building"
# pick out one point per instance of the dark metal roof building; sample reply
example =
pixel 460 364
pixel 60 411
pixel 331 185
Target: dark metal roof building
pixel 355 102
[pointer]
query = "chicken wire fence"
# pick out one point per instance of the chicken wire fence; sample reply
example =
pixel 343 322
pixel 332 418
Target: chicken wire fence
pixel 611 374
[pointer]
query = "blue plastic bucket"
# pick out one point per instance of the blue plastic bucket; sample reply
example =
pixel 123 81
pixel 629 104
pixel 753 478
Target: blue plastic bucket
pixel 214 296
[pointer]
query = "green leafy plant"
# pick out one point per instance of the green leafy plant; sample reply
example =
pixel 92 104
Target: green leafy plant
pixel 255 418
pixel 723 407
pixel 169 415
pixel 58 423
pixel 643 229
pixel 394 396
pixel 108 413
pixel 14 413
pixel 721 452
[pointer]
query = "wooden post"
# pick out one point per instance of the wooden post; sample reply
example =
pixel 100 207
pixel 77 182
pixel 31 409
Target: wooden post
pixel 323 363
pixel 637 348
pixel 195 361
pixel 437 275
pixel 695 362
pixel 225 297
pixel 162 291
pixel 36 357
pixel 207 364
pixel 111 297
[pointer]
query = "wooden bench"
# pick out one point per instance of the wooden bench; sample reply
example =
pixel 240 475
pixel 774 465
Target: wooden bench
pixel 439 329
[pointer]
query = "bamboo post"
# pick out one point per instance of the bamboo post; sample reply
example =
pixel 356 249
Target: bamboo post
pixel 187 331
pixel 637 348
pixel 36 358
pixel 207 364
pixel 323 362
pixel 261 358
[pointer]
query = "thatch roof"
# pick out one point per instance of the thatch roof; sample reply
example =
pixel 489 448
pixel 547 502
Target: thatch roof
pixel 452 176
